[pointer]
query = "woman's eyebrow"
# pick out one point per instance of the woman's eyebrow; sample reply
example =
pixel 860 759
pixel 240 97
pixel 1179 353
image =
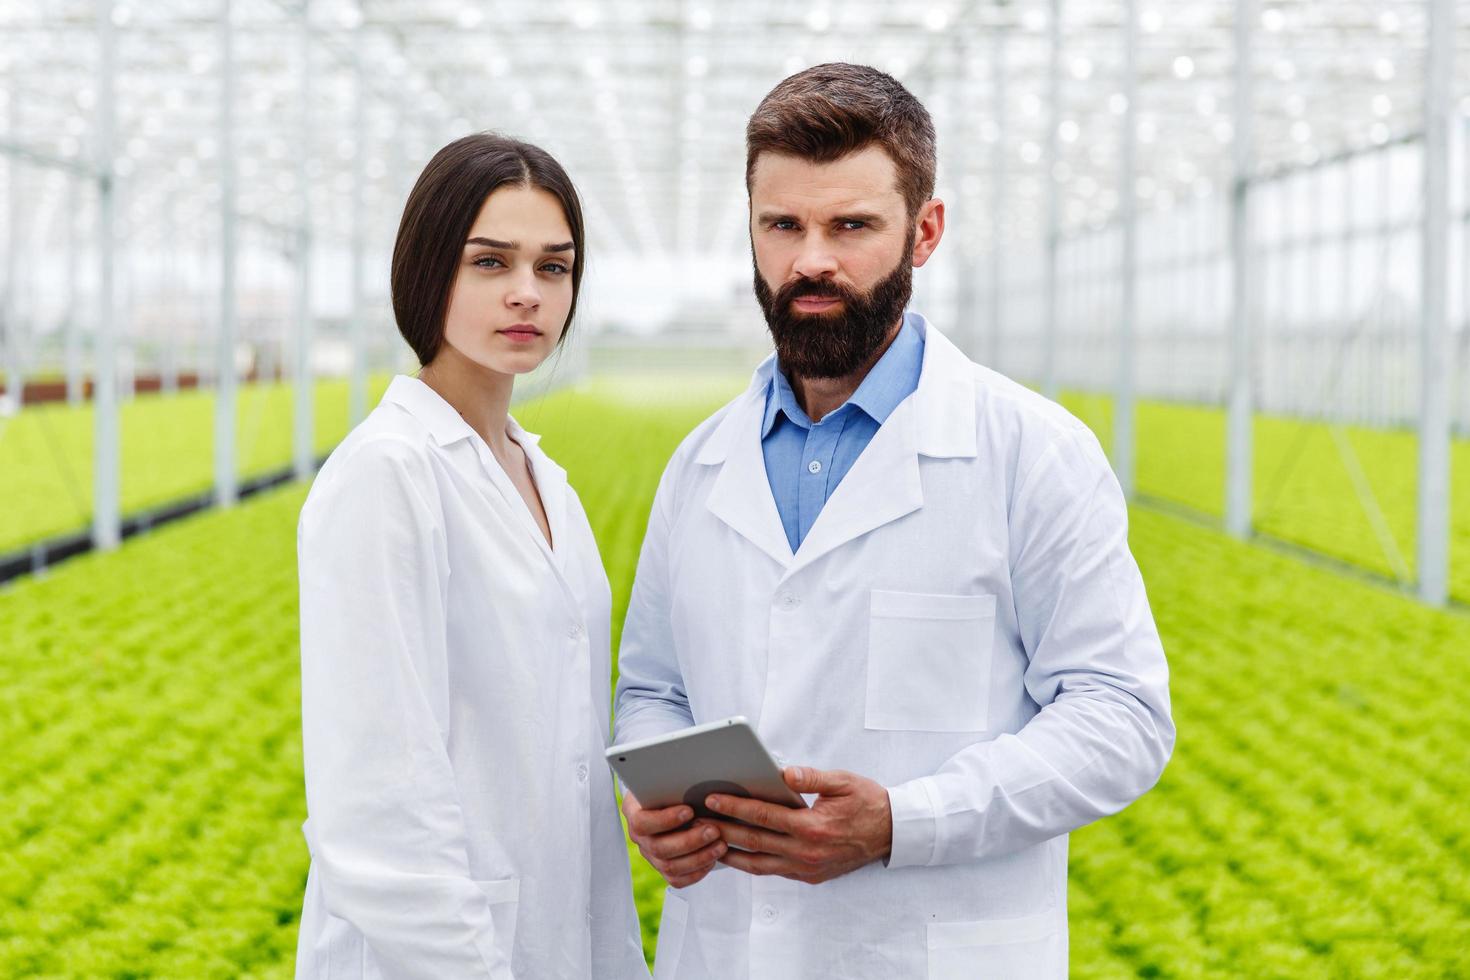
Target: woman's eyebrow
pixel 515 246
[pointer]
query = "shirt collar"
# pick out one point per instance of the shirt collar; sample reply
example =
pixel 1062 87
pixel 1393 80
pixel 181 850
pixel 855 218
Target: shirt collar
pixel 891 380
pixel 781 400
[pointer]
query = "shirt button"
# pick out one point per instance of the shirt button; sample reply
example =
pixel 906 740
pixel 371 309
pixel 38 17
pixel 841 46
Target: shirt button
pixel 815 466
pixel 769 913
pixel 582 772
pixel 790 600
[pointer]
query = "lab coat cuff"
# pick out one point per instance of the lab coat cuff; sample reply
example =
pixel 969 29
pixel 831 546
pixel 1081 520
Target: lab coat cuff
pixel 915 812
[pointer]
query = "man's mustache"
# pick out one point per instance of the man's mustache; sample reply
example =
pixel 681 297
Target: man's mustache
pixel 812 289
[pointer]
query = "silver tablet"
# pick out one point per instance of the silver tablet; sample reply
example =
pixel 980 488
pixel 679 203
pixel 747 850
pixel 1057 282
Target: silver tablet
pixel 688 765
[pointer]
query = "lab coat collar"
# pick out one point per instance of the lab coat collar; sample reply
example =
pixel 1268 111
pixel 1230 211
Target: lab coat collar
pixel 443 422
pixel 447 427
pixel 937 421
pixel 551 486
pixel 741 496
pixel 425 404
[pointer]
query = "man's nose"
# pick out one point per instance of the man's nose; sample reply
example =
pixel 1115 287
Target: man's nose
pixel 816 259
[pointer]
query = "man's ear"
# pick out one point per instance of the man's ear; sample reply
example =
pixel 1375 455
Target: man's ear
pixel 928 230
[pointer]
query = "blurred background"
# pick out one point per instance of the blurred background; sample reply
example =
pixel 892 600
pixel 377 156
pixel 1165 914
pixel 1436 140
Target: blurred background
pixel 1230 235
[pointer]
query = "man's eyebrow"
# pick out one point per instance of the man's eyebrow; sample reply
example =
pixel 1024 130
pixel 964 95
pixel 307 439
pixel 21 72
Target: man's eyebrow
pixel 867 217
pixel 515 246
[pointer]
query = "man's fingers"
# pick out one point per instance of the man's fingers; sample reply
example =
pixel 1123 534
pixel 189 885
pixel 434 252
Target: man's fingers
pixel 687 880
pixel 771 816
pixel 805 779
pixel 755 839
pixel 701 860
pixel 666 847
pixel 650 822
pixel 761 864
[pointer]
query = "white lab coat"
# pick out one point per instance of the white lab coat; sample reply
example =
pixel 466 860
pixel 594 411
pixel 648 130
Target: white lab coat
pixel 455 695
pixel 964 624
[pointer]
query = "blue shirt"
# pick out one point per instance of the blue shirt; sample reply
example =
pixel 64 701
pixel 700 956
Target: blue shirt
pixel 805 460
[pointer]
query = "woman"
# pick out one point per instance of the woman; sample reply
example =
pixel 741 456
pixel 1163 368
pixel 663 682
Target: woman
pixel 455 621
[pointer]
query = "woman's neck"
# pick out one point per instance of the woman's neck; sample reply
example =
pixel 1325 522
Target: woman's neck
pixel 479 395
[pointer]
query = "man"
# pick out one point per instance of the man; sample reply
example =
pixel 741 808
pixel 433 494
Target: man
pixel 910 574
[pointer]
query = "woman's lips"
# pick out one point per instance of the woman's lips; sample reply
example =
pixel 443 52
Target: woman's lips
pixel 520 334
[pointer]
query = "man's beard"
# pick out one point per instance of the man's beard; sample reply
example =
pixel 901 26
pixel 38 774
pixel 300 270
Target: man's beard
pixel 834 345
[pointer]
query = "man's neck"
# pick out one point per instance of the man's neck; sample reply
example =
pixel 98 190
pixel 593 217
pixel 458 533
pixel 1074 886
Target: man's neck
pixel 820 396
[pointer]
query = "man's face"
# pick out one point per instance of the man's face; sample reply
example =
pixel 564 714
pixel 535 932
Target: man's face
pixel 833 248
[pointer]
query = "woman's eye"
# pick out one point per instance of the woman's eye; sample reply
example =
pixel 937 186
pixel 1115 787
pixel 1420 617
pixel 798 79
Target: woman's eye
pixel 487 262
pixel 556 268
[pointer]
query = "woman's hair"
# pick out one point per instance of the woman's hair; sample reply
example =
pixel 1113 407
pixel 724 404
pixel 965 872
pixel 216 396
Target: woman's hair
pixel 440 212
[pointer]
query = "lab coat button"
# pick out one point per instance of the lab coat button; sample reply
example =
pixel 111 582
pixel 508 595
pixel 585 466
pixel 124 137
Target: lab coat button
pixel 769 913
pixel 815 466
pixel 790 600
pixel 582 772
pixel 575 631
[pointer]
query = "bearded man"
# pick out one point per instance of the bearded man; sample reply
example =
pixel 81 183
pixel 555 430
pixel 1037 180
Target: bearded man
pixel 910 574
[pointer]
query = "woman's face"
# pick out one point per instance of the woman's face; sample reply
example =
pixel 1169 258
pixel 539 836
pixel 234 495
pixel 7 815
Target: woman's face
pixel 511 295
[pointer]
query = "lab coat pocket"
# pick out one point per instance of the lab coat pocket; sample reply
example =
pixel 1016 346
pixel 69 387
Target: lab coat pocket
pixel 504 896
pixel 670 936
pixel 929 662
pixel 1031 947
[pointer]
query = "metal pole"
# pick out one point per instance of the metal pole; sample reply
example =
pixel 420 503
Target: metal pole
pixel 122 324
pixel 1434 417
pixel 303 454
pixel 998 201
pixel 357 385
pixel 73 324
pixel 1123 410
pixel 106 475
pixel 1238 423
pixel 225 488
pixel 10 299
pixel 169 381
pixel 1053 210
pixel 952 89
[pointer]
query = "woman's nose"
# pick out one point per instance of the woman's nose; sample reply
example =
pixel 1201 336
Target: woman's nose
pixel 524 294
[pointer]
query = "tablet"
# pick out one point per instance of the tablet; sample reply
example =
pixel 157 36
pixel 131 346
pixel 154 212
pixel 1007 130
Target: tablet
pixel 688 765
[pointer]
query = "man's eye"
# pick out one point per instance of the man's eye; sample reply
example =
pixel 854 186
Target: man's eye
pixel 784 225
pixel 854 225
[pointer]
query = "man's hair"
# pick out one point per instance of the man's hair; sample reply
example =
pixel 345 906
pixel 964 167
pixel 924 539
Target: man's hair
pixel 829 111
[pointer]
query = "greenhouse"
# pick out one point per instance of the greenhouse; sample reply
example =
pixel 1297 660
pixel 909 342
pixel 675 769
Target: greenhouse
pixel 1230 237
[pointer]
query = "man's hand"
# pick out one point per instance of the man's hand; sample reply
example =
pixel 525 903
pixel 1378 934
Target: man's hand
pixel 683 855
pixel 849 825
